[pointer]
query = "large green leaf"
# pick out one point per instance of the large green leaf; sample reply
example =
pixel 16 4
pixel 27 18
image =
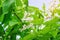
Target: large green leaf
pixel 6 5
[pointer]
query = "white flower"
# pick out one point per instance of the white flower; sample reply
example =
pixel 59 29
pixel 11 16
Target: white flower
pixel 18 37
pixel 2 25
pixel 25 14
pixel 30 25
pixel 6 27
pixel 32 13
pixel 31 31
pixel 42 26
pixel 29 18
pixel 57 15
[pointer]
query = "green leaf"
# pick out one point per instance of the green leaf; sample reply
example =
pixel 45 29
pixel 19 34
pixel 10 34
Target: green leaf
pixel 54 32
pixel 37 21
pixel 18 3
pixel 1 30
pixel 1 18
pixel 20 13
pixel 6 5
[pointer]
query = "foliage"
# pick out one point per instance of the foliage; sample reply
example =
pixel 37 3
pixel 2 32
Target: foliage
pixel 14 15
